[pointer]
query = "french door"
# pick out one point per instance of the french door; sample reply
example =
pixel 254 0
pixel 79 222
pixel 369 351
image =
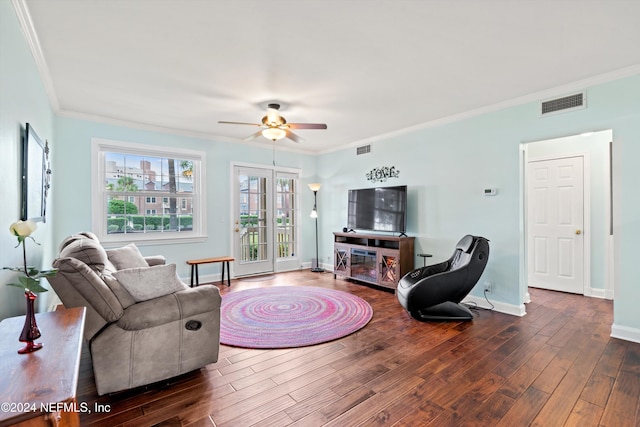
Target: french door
pixel 265 220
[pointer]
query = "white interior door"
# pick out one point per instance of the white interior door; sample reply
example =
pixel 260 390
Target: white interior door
pixel 555 224
pixel 253 221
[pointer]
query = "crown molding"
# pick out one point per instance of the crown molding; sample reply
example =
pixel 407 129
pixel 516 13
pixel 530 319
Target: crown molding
pixel 532 97
pixel 179 132
pixel 30 35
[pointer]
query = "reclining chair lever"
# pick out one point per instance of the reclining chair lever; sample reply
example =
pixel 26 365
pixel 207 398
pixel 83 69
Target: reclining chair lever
pixel 193 325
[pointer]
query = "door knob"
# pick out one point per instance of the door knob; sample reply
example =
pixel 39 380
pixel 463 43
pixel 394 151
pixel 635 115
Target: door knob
pixel 237 229
pixel 578 231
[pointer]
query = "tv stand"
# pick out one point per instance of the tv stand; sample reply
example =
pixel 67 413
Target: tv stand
pixel 372 258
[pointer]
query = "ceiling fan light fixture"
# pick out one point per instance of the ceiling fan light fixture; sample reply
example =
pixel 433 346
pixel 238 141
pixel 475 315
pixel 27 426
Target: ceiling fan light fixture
pixel 273 117
pixel 274 134
pixel 275 126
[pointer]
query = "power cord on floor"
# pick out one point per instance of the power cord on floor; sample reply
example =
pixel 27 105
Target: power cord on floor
pixel 489 302
pixel 472 305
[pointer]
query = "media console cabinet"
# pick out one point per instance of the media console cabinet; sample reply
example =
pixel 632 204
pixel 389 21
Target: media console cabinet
pixel 372 258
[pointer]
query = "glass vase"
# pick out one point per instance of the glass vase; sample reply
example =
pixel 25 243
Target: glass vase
pixel 30 331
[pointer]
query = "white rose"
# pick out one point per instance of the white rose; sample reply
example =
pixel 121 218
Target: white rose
pixel 23 228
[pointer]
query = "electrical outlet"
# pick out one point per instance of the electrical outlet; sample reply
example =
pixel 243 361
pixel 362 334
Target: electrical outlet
pixel 487 287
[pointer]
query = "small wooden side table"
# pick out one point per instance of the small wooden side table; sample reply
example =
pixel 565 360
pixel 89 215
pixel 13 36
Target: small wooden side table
pixel 39 388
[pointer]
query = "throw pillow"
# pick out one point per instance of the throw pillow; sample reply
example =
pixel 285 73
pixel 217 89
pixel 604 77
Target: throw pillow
pixel 145 283
pixel 126 257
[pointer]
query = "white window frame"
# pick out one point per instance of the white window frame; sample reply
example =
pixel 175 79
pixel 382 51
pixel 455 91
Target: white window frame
pixel 99 193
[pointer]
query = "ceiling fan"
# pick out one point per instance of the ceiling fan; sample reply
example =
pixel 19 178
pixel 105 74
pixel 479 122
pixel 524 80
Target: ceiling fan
pixel 275 127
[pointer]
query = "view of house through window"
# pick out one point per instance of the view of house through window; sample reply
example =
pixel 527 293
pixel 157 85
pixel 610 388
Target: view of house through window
pixel 148 194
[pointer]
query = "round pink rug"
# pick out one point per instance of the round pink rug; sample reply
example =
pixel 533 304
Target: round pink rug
pixel 290 316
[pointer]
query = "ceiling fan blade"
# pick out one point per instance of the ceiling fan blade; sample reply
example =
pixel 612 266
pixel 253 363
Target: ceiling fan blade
pixel 307 125
pixel 295 138
pixel 254 136
pixel 238 123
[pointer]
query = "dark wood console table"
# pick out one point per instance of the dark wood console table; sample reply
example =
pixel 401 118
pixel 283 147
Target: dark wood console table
pixel 373 258
pixel 39 388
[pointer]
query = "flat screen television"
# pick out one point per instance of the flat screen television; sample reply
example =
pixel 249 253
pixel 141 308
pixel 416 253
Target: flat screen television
pixel 378 209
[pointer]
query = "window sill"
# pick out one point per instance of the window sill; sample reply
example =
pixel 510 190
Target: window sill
pixel 110 241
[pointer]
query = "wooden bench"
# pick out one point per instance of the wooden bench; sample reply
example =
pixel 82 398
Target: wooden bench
pixel 194 263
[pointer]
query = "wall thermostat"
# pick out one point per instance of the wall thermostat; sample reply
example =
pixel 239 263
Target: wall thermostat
pixel 490 191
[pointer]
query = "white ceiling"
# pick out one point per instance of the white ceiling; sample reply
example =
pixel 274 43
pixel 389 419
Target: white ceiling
pixel 365 68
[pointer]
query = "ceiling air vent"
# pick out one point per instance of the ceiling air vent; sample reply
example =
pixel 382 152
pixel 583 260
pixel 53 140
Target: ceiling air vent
pixel 566 103
pixel 364 149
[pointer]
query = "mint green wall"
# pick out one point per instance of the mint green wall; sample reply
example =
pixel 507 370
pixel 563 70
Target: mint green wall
pixel 22 100
pixel 446 167
pixel 446 171
pixel 73 187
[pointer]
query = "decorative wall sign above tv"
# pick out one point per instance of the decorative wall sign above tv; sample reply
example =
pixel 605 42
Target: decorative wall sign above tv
pixel 36 175
pixel 382 174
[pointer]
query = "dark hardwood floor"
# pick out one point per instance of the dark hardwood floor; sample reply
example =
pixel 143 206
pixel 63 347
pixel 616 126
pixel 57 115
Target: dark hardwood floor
pixel 556 366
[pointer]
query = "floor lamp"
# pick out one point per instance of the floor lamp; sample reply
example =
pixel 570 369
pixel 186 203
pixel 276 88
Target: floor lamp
pixel 314 214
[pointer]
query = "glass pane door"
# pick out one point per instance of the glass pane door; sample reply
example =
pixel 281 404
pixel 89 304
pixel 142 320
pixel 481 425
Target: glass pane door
pixel 286 212
pixel 253 221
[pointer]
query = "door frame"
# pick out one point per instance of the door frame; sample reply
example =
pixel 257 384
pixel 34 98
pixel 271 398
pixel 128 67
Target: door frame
pixel 265 259
pixel 277 266
pixel 586 212
pixel 608 257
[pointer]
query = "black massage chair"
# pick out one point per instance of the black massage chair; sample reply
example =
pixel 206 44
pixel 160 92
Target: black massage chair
pixel 434 292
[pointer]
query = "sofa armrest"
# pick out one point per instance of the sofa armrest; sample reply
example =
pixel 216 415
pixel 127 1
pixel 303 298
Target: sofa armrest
pixel 172 307
pixel 155 260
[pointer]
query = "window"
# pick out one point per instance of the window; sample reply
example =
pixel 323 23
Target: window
pixel 137 189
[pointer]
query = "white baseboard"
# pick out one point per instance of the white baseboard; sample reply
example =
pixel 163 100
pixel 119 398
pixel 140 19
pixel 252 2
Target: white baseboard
pixel 625 333
pixel 598 293
pixel 309 264
pixel 217 277
pixel 502 307
pixel 204 278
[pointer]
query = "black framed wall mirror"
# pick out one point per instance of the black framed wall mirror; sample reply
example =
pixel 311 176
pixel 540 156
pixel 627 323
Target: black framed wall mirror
pixel 36 173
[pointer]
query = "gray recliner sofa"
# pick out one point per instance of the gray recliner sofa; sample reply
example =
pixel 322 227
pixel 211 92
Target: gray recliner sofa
pixel 142 323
